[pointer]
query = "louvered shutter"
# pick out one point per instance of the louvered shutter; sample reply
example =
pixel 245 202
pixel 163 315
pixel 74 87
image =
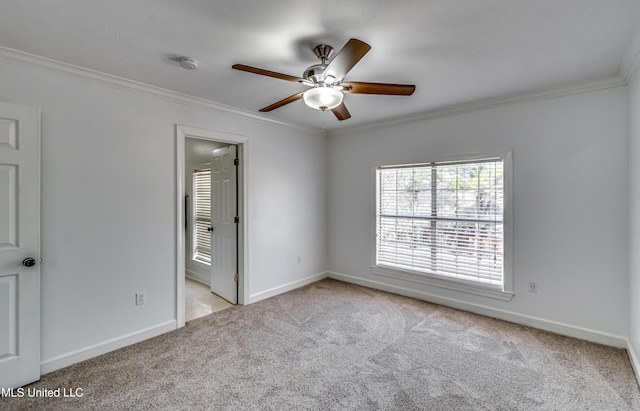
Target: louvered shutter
pixel 202 215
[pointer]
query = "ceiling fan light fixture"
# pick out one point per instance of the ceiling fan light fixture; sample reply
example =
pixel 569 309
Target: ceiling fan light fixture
pixel 323 98
pixel 326 80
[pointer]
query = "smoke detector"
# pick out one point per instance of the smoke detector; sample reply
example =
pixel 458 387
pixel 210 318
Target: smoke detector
pixel 188 63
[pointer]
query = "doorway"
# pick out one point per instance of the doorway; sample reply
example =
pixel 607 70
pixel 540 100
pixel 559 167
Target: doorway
pixel 200 301
pixel 200 153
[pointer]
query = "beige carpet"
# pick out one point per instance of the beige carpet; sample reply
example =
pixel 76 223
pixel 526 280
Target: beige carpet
pixel 332 345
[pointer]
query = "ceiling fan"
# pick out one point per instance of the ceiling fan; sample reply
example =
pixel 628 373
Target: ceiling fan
pixel 325 79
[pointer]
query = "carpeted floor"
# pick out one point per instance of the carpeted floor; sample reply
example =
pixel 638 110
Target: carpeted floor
pixel 332 345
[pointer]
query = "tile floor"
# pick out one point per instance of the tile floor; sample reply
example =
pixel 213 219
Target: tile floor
pixel 200 301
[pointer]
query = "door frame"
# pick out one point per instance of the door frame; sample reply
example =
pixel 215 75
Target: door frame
pixel 182 132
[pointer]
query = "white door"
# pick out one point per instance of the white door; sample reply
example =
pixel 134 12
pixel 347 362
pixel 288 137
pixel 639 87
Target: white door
pixel 224 245
pixel 19 245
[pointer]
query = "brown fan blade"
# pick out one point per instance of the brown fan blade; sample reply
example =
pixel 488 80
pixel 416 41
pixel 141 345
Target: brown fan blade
pixel 346 58
pixel 341 112
pixel 267 73
pixel 357 87
pixel 282 102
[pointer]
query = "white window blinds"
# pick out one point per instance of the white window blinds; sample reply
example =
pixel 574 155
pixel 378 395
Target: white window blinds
pixel 443 219
pixel 202 215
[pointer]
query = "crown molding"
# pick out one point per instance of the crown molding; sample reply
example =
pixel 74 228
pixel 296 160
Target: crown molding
pixel 44 64
pixel 630 63
pixel 541 94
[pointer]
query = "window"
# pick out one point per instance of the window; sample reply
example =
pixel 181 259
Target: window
pixel 443 223
pixel 202 215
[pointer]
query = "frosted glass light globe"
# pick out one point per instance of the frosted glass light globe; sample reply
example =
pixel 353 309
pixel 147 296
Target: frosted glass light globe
pixel 323 98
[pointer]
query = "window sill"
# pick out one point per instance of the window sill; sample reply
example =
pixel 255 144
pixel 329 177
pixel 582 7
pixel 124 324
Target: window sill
pixel 451 284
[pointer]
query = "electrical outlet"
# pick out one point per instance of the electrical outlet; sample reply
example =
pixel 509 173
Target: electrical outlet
pixel 299 260
pixel 533 287
pixel 140 298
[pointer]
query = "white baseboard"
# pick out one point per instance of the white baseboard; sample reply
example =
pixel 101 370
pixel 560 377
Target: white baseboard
pixel 263 295
pixel 198 277
pixel 635 363
pixel 535 322
pixel 82 354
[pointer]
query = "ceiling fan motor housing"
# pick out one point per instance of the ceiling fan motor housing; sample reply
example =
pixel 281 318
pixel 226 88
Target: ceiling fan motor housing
pixel 315 73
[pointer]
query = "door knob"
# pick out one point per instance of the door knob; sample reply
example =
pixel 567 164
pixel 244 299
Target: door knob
pixel 29 262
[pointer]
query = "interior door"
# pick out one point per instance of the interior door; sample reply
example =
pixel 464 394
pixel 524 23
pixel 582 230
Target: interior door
pixel 224 212
pixel 19 245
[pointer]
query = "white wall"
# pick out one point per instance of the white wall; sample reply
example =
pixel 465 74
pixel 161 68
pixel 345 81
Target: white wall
pixel 109 205
pixel 634 220
pixel 288 187
pixel 570 204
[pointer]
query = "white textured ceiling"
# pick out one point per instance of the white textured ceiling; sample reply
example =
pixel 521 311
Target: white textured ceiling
pixel 454 51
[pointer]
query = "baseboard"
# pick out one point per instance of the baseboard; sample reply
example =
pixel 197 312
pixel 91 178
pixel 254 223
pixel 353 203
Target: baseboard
pixel 633 358
pixel 263 295
pixel 73 357
pixel 197 277
pixel 535 322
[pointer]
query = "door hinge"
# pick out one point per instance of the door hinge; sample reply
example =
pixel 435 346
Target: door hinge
pixel 236 220
pixel 236 277
pixel 236 161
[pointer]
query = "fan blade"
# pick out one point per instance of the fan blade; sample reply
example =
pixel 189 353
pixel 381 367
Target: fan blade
pixel 282 102
pixel 341 112
pixel 357 87
pixel 267 73
pixel 346 58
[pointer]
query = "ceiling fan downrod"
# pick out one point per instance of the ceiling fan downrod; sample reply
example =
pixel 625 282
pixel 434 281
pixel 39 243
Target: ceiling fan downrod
pixel 313 75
